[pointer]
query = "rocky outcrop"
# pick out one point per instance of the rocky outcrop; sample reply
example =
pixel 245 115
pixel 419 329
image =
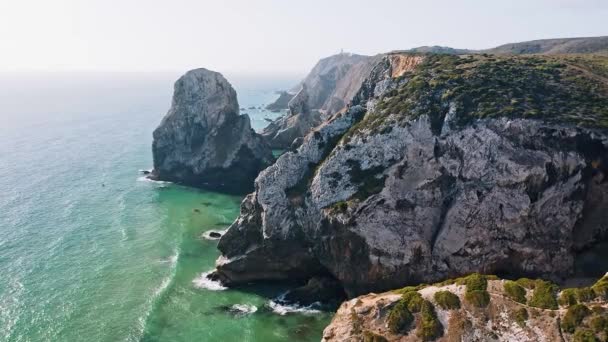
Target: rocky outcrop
pixel 329 86
pixel 281 133
pixel 203 141
pixel 281 103
pixel 424 177
pixel 366 318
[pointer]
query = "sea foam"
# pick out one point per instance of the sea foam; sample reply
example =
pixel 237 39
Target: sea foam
pixel 203 282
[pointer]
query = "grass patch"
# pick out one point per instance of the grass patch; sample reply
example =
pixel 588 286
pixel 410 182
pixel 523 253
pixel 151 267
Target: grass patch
pixel 574 317
pixel 521 316
pixel 515 291
pixel 476 290
pixel 399 318
pixel 428 327
pixel 543 296
pixel 568 297
pixel 447 300
pixel 584 335
pixel 601 287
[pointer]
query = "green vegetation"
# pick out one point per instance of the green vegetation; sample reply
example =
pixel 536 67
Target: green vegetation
pixel 584 335
pixel 543 296
pixel 601 287
pixel 521 316
pixel 476 292
pixel 526 283
pixel 599 324
pixel 447 300
pixel 369 336
pixel 560 88
pixel 399 318
pixel 515 291
pixel 568 297
pixel 413 300
pixel 428 327
pixel 585 294
pixel 574 317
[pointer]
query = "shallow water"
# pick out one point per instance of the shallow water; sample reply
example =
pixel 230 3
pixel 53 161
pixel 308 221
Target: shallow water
pixel 89 250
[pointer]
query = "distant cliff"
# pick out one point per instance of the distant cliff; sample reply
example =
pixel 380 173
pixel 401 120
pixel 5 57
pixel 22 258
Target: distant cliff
pixel 203 141
pixel 329 86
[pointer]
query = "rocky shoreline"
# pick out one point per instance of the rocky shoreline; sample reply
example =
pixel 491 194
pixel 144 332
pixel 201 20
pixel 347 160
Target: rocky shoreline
pixel 404 168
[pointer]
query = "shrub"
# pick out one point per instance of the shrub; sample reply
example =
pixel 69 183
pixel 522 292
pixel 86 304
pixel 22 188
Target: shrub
pixel 601 287
pixel 429 327
pixel 480 299
pixel 584 335
pixel 544 295
pixel 447 300
pixel 515 291
pixel 399 318
pixel 476 293
pixel 573 318
pixel 369 336
pixel 598 324
pixel 568 297
pixel 526 283
pixel 521 316
pixel 413 300
pixel 585 294
pixel 476 282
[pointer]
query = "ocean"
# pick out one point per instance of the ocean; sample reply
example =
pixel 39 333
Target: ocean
pixel 90 250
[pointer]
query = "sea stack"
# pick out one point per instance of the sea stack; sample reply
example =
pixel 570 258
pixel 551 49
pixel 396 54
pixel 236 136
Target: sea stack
pixel 203 141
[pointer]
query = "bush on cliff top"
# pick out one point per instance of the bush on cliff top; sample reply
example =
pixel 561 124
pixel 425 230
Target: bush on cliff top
pixel 585 294
pixel 413 300
pixel 574 317
pixel 601 287
pixel 476 293
pixel 567 297
pixel 399 318
pixel 584 335
pixel 543 296
pixel 515 291
pixel 428 327
pixel 447 300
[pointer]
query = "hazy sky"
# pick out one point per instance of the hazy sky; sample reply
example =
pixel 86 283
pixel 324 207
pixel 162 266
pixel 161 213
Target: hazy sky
pixel 281 36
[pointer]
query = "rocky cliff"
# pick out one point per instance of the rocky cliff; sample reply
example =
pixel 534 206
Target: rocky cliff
pixel 475 308
pixel 203 141
pixel 441 165
pixel 300 120
pixel 329 86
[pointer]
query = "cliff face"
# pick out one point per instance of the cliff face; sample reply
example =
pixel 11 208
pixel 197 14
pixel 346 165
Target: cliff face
pixel 329 86
pixel 300 120
pixel 203 141
pixel 441 165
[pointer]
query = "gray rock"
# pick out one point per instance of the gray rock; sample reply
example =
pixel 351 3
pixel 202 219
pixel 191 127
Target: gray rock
pixel 203 141
pixel 400 203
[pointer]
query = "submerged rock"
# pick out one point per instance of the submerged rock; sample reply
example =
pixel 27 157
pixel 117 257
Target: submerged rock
pixel 203 141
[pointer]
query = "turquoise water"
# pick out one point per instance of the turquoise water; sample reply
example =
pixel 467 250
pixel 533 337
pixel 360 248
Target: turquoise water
pixel 91 252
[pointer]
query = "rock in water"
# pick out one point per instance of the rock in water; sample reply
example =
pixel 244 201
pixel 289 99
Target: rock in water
pixel 203 141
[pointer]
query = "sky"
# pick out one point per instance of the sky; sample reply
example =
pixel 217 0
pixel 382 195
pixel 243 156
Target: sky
pixel 266 36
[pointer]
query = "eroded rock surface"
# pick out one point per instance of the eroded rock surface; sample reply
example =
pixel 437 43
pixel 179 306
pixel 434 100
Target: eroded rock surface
pixel 405 186
pixel 203 141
